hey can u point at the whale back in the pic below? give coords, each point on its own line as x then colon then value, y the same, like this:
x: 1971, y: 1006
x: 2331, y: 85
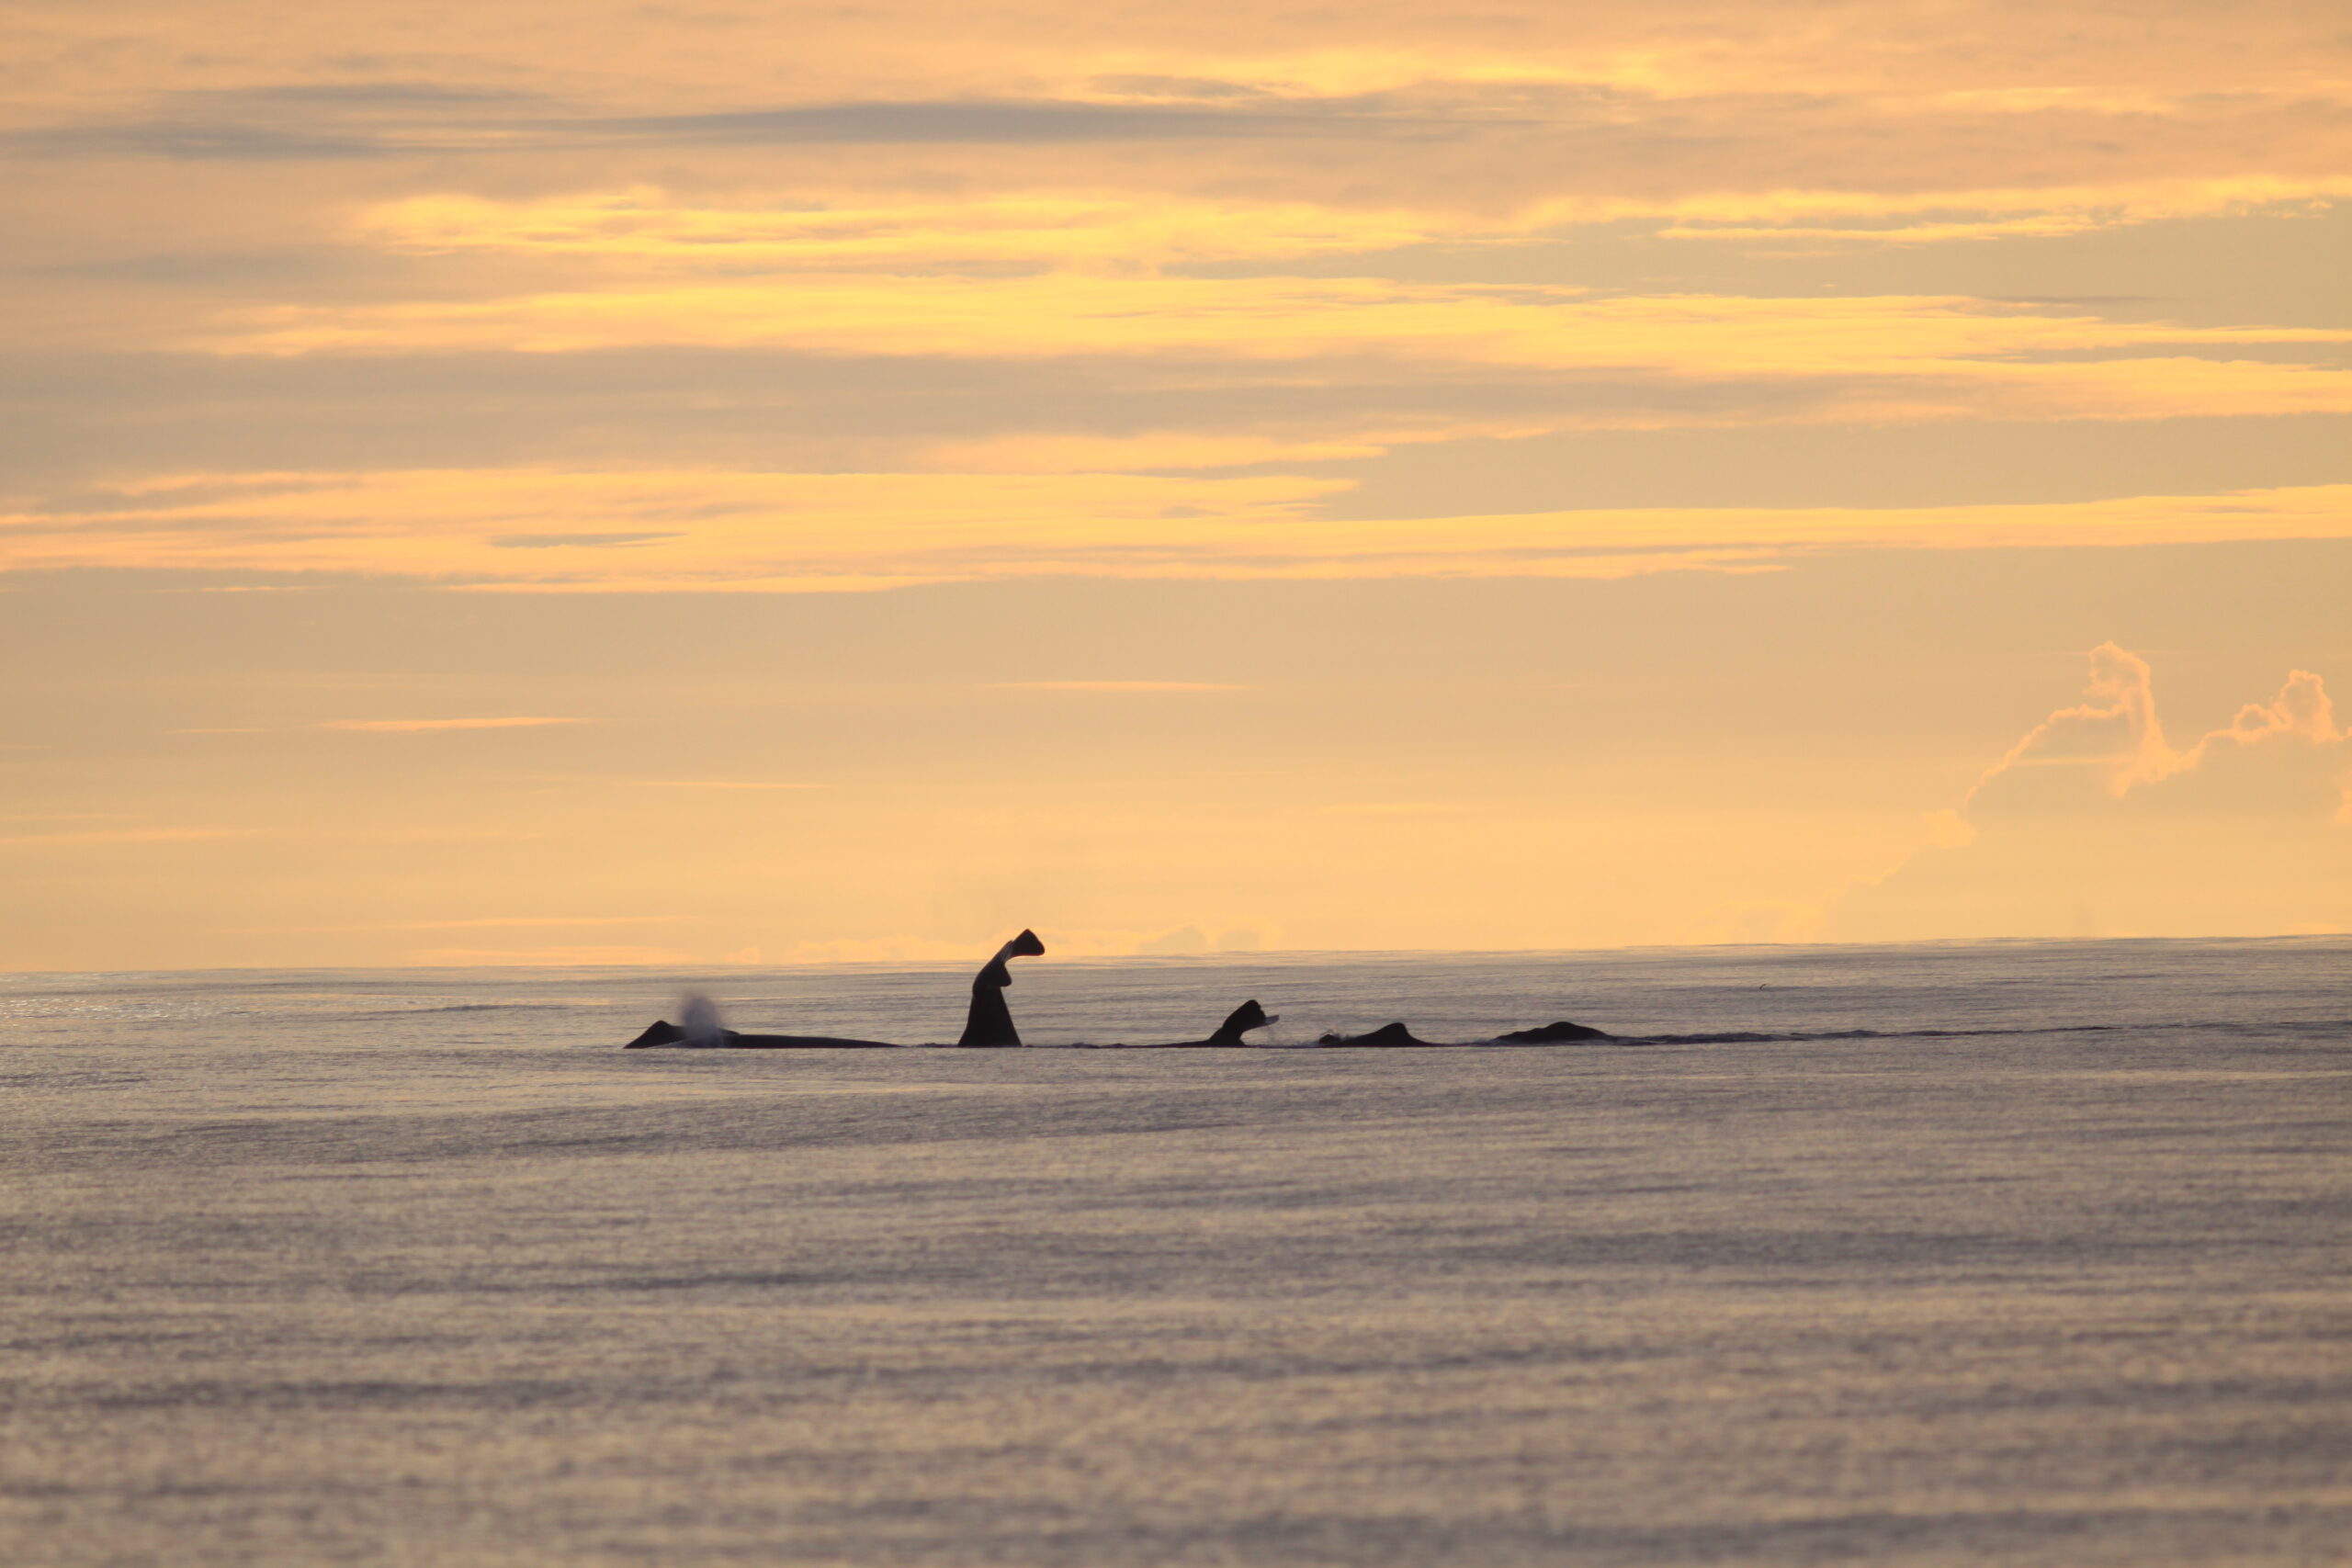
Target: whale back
x: 1387, y: 1034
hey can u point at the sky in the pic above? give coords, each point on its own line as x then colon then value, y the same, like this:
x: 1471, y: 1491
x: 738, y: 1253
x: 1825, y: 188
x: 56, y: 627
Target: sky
x: 704, y: 484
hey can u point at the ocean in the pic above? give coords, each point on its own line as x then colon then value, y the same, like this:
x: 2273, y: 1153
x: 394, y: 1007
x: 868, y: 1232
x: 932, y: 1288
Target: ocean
x: 2000, y: 1253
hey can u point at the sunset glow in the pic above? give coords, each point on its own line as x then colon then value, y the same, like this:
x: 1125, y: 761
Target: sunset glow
x: 1377, y: 478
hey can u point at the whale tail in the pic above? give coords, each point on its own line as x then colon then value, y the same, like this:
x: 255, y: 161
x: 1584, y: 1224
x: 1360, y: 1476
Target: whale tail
x: 1240, y: 1021
x: 990, y: 1022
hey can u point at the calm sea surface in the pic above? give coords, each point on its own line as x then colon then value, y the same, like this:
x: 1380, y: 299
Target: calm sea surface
x: 2015, y: 1253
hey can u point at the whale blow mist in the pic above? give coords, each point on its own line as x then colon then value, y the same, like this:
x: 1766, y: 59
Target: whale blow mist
x: 699, y: 1021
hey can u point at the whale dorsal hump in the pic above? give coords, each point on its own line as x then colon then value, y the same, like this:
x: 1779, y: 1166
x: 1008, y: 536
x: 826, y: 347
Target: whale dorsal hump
x: 1551, y: 1033
x: 1387, y: 1034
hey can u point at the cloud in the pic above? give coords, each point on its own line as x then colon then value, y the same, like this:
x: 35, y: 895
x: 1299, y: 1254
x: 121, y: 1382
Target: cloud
x: 552, y: 956
x: 2095, y: 824
x: 332, y: 133
x: 1116, y: 686
x: 527, y: 922
x: 710, y: 784
x: 1883, y: 358
x: 1000, y: 122
x: 1389, y: 808
x: 2115, y: 733
x: 1184, y: 940
x: 733, y: 532
x: 210, y: 141
x: 110, y: 836
x: 1505, y: 131
x: 644, y: 226
x: 2284, y: 755
x: 407, y: 726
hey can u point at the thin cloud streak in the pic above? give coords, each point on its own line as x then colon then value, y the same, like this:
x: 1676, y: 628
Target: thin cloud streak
x: 409, y: 726
x: 710, y: 784
x: 114, y: 836
x: 768, y: 533
x: 1115, y: 686
x: 524, y: 923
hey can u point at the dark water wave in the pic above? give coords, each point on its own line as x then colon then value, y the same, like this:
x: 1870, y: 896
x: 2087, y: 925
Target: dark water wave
x: 1744, y: 1037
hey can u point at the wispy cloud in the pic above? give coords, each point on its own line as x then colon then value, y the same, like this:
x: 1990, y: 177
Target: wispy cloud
x: 737, y: 532
x: 2114, y: 740
x: 1902, y: 358
x: 110, y: 836
x: 712, y: 783
x: 550, y: 956
x: 1388, y: 809
x: 1116, y: 686
x: 405, y: 726
x: 2094, y: 825
x: 520, y: 922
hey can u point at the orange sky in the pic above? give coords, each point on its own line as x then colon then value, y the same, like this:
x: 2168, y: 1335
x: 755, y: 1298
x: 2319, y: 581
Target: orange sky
x: 675, y: 484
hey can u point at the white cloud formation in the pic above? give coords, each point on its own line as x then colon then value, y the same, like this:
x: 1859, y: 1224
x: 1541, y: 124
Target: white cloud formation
x: 2096, y: 824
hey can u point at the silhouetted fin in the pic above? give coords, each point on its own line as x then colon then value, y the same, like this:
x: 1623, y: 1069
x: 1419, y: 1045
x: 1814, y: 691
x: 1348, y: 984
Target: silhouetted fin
x: 660, y: 1031
x: 1551, y: 1034
x: 990, y: 1022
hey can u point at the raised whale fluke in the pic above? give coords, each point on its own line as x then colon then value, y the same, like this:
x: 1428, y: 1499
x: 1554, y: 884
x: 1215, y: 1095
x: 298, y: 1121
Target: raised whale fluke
x: 990, y: 1022
x: 1240, y: 1021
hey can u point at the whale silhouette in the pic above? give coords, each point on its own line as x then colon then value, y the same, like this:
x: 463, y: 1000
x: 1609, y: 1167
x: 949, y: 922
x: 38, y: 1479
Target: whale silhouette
x: 662, y: 1032
x: 988, y: 1023
x: 1396, y: 1035
x: 1238, y: 1022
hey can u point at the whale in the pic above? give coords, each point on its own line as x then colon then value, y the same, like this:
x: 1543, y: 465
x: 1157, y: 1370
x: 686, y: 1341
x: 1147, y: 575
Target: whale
x: 1229, y: 1035
x: 1394, y: 1036
x: 1238, y: 1022
x: 662, y: 1032
x: 988, y: 1023
x: 1231, y: 1032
